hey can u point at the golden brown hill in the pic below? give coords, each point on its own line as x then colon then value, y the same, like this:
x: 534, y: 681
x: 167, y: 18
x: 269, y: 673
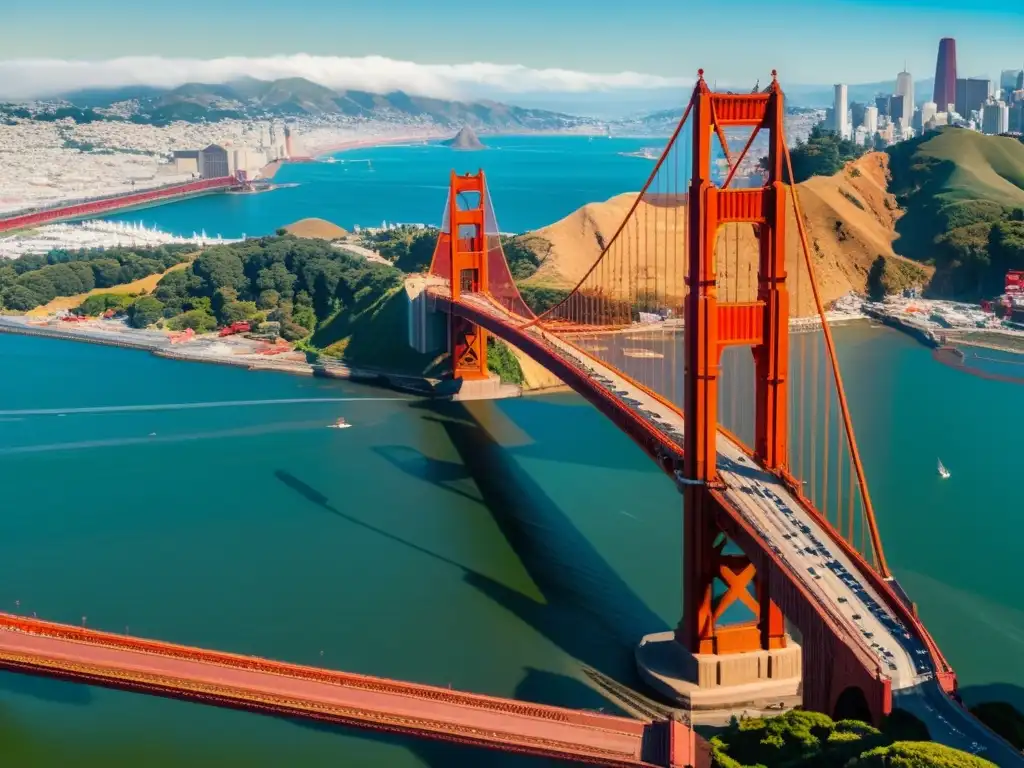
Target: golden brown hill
x: 316, y: 228
x: 850, y: 221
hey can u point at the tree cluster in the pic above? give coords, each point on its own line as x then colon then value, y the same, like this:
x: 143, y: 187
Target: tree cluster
x: 29, y: 281
x: 972, y: 261
x: 797, y: 739
x: 971, y: 240
x: 298, y: 283
x: 411, y: 249
x: 824, y: 153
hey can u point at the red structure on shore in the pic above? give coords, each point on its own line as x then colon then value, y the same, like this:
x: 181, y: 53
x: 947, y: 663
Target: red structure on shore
x: 102, y: 205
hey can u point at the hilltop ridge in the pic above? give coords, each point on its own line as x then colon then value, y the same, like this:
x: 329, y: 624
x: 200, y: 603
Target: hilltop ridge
x: 298, y: 97
x: 851, y: 220
x: 963, y: 197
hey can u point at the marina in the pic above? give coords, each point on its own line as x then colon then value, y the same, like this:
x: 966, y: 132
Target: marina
x: 99, y: 234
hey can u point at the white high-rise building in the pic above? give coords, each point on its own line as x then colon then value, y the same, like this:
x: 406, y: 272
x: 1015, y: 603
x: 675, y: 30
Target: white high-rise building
x: 841, y: 113
x: 905, y: 88
x: 871, y: 119
x: 995, y: 118
x: 928, y: 111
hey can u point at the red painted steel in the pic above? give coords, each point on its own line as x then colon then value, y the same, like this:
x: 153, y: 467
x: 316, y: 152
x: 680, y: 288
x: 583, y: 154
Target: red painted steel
x: 109, y: 204
x: 740, y: 323
x: 739, y: 109
x: 709, y: 327
x: 834, y: 660
x: 261, y: 685
x: 667, y: 454
x: 829, y: 658
x: 740, y: 205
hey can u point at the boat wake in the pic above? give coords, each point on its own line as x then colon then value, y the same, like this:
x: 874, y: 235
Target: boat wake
x: 190, y: 406
x: 118, y: 442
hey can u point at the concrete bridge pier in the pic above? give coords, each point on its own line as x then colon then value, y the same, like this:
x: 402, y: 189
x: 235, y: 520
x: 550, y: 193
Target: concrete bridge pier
x: 713, y: 686
x: 432, y: 331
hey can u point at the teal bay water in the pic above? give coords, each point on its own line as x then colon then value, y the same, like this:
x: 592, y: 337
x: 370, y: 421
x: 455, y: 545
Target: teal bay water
x: 502, y: 547
x: 534, y: 180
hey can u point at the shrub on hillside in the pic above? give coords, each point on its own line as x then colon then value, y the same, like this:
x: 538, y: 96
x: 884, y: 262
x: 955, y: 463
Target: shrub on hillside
x: 917, y: 754
x: 800, y: 739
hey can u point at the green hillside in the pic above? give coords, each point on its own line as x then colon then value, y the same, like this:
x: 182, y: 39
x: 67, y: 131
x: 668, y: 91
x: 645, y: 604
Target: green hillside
x: 963, y: 199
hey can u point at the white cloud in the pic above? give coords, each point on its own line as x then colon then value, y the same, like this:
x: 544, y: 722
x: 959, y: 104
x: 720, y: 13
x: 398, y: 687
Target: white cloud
x: 29, y: 78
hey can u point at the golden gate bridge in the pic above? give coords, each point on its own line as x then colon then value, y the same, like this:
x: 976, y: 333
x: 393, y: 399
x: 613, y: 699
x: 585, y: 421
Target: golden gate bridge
x: 778, y: 520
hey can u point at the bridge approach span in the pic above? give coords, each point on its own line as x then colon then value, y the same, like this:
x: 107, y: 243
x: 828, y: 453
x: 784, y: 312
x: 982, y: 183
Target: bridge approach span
x: 264, y: 686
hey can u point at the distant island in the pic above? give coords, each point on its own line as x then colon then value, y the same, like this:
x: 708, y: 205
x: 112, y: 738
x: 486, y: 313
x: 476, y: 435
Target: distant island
x: 466, y: 138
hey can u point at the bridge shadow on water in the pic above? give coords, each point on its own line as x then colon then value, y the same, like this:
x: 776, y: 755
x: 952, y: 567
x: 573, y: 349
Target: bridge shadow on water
x: 588, y: 610
x: 45, y: 689
x: 1009, y: 693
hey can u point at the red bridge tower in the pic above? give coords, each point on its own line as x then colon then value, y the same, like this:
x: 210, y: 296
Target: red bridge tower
x: 461, y: 257
x: 710, y: 326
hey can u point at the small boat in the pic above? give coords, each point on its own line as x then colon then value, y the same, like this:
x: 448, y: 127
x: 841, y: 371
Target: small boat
x: 339, y: 424
x: 943, y: 472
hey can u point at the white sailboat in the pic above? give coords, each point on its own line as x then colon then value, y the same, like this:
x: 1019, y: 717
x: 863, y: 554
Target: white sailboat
x: 943, y: 472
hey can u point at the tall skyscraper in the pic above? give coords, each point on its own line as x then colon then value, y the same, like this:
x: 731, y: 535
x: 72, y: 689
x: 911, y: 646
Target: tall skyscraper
x: 871, y: 120
x: 995, y: 118
x: 895, y: 109
x: 971, y: 94
x: 928, y: 111
x: 905, y: 90
x: 1008, y: 81
x: 945, y: 74
x: 856, y: 114
x: 840, y: 113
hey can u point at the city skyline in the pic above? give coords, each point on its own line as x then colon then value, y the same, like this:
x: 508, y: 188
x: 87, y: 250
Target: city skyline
x: 533, y: 46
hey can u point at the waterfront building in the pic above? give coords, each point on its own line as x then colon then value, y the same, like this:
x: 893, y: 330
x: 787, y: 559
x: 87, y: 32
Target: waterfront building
x: 214, y: 162
x: 185, y: 161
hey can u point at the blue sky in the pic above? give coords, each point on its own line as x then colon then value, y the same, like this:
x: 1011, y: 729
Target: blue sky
x: 809, y: 41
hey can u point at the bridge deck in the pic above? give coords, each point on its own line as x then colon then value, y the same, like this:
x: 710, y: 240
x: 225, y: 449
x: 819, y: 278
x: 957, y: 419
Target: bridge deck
x: 99, y: 658
x: 798, y: 538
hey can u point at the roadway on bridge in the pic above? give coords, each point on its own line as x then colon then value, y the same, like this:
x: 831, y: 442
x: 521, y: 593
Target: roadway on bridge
x: 261, y: 685
x: 828, y: 574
